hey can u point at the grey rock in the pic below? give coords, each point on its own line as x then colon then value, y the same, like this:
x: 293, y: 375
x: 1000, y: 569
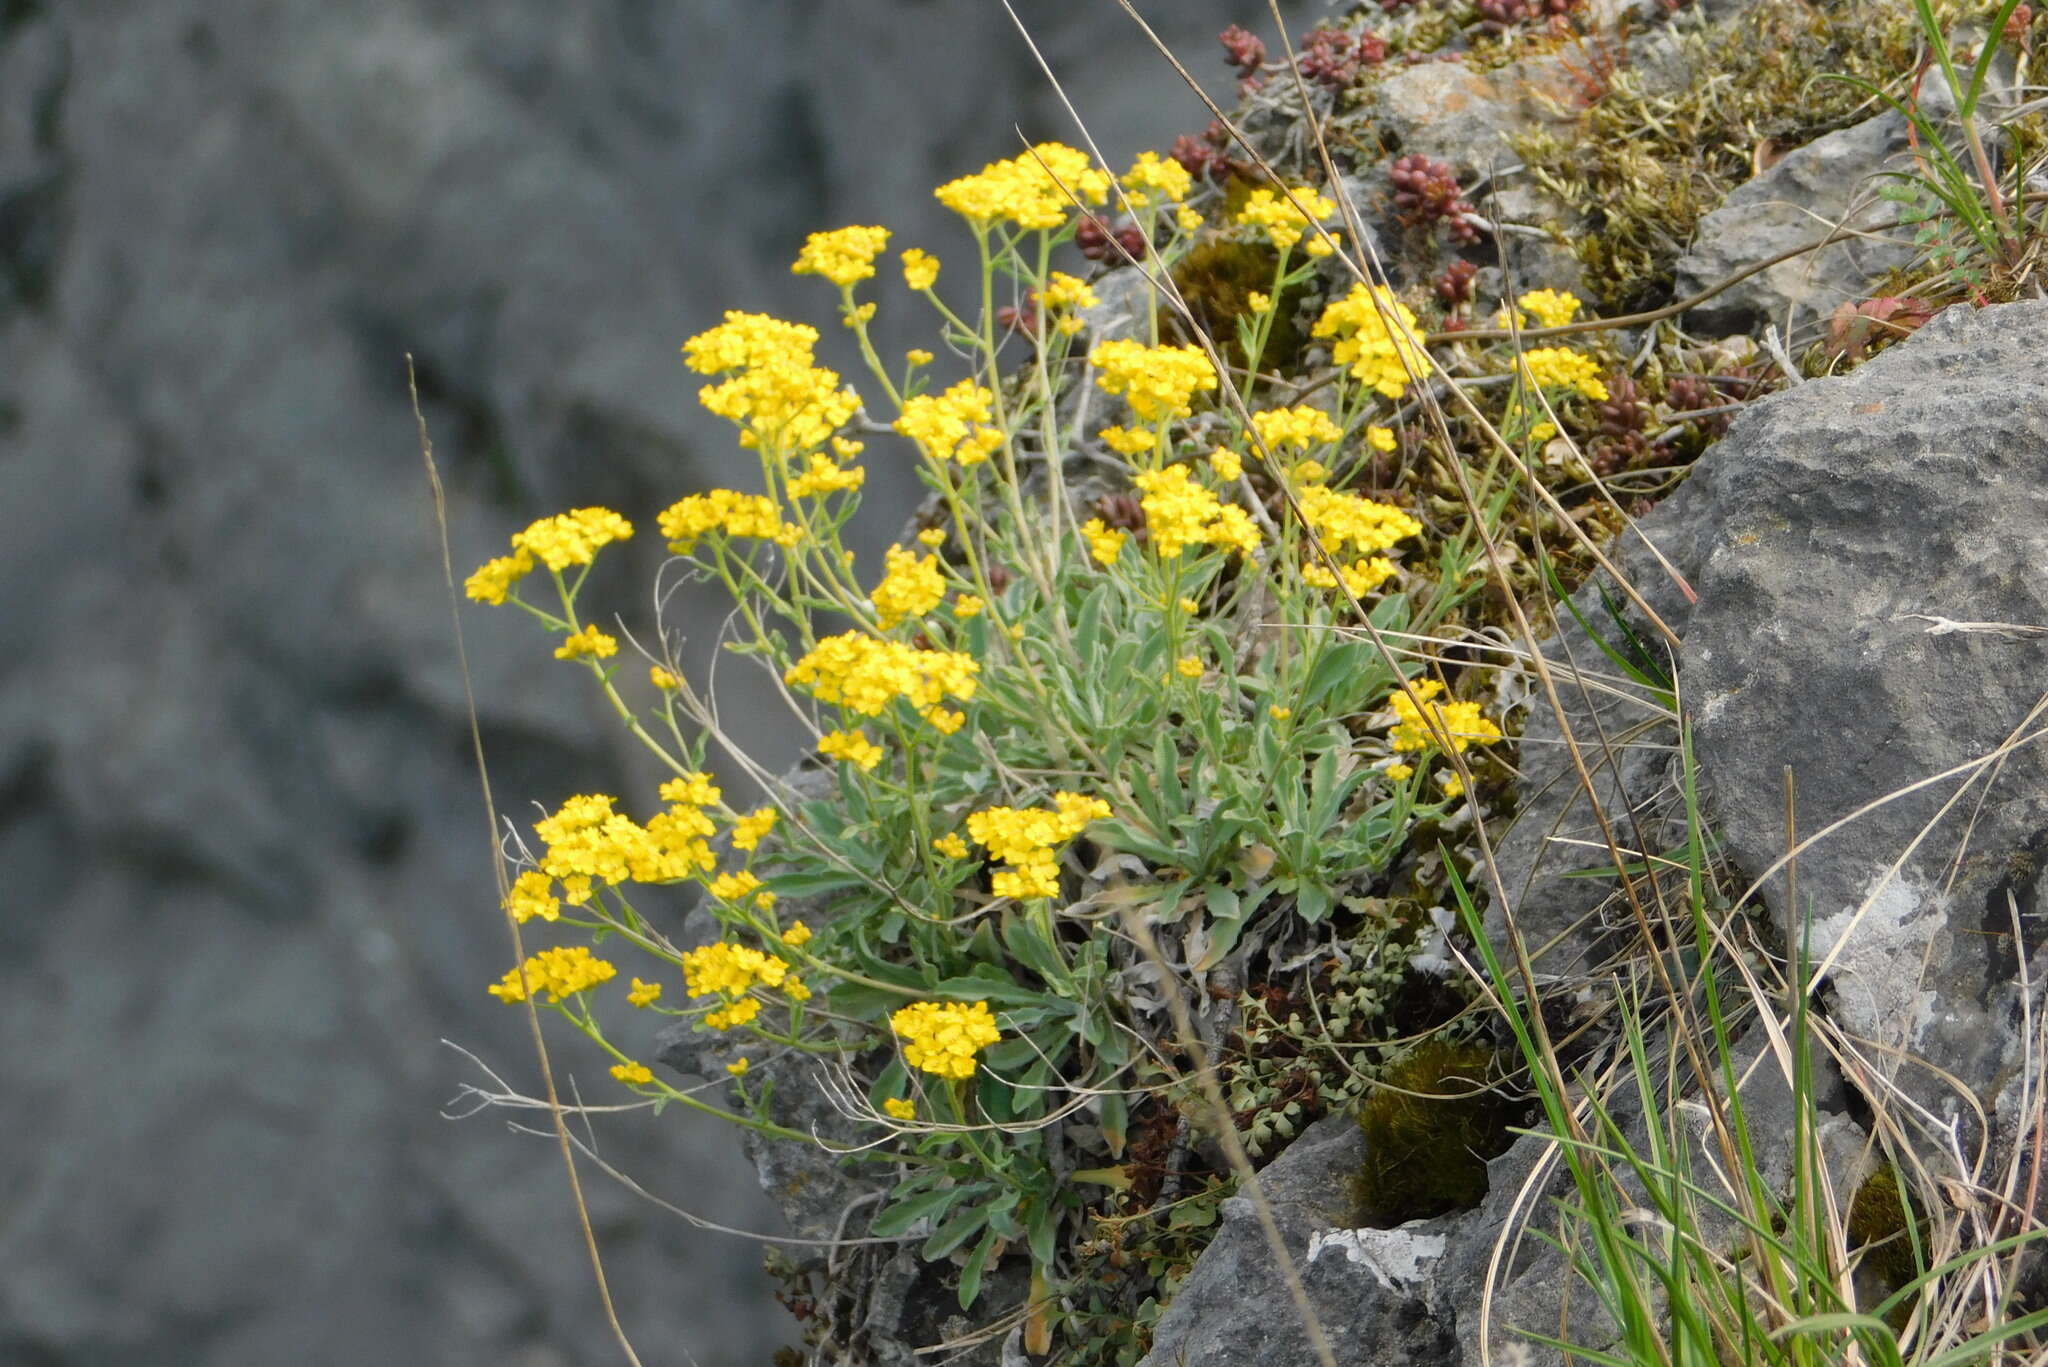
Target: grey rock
x: 247, y: 866
x: 1368, y: 1289
x: 1832, y: 181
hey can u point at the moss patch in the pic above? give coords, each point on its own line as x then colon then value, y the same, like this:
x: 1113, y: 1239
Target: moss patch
x: 1430, y: 1128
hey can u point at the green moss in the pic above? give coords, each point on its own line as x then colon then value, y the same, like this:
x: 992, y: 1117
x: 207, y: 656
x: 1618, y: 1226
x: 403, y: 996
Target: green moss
x: 1877, y: 1226
x: 1430, y: 1127
x: 1217, y: 277
x: 1645, y: 168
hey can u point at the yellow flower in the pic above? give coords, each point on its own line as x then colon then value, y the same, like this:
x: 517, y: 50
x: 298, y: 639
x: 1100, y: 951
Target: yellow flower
x: 731, y: 887
x: 764, y: 901
x: 1180, y: 513
x: 1188, y: 606
x: 1158, y: 382
x: 729, y: 513
x: 1277, y: 214
x: 967, y: 605
x: 865, y: 674
x: 1300, y: 427
x: 1381, y: 438
x: 694, y: 789
x: 1553, y: 308
x: 738, y: 1067
x: 1376, y: 337
x: 824, y: 477
x: 1152, y: 174
x: 494, y: 579
x: 953, y: 425
x: 1462, y: 721
x: 779, y: 399
x: 1279, y: 713
x: 1129, y: 441
x: 1026, y: 840
x: 1227, y: 464
x: 1258, y: 303
x: 1449, y: 781
x: 589, y: 643
x: 633, y: 1074
x: 797, y: 935
x: 910, y: 587
x: 559, y: 972
x: 1032, y: 191
x: 918, y: 356
x: 1400, y: 773
x: 901, y: 1109
x: 1189, y: 666
x: 1186, y: 219
x: 944, y: 1039
x: 1562, y: 368
x: 794, y: 989
x: 843, y: 257
x: 533, y: 895
x: 859, y: 314
x: 663, y: 680
x: 951, y: 845
x: 1310, y: 472
x: 1360, y: 576
x: 1324, y: 243
x: 643, y: 994
x: 1347, y: 519
x: 920, y: 272
x: 1063, y: 291
x: 572, y: 538
x: 736, y: 1013
x: 1104, y: 544
x: 749, y: 830
x: 851, y: 746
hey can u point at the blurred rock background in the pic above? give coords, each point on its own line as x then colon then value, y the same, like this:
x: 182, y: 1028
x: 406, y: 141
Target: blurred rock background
x: 244, y: 886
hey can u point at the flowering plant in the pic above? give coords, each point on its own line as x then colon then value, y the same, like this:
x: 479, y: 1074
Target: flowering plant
x: 1108, y: 720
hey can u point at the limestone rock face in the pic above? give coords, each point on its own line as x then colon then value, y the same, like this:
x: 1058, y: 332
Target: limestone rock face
x: 246, y: 865
x: 1871, y: 567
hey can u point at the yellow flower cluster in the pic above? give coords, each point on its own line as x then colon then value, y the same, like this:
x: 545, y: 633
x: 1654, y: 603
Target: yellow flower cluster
x: 1376, y: 337
x: 851, y: 746
x: 920, y: 271
x: 968, y: 605
x: 1285, y: 224
x: 533, y: 894
x: 844, y: 257
x: 944, y: 1038
x: 1129, y: 441
x: 643, y: 994
x: 779, y: 399
x: 571, y: 538
x: 1028, y: 838
x: 728, y: 511
x: 633, y: 1074
x: 1463, y: 721
x: 1032, y: 191
x: 900, y: 1109
x: 1227, y: 464
x: 589, y: 843
x: 751, y: 829
x: 952, y: 425
x: 1347, y: 520
x: 824, y: 476
x: 1561, y: 368
x: 587, y: 644
x: 1105, y: 543
x: 1180, y: 513
x: 728, y: 970
x: 1300, y: 427
x: 1063, y: 291
x: 1152, y: 174
x: 560, y: 972
x: 731, y: 887
x: 1361, y: 576
x: 911, y: 586
x: 1552, y: 309
x: 1158, y: 382
x: 951, y: 845
x: 864, y: 674
x: 1381, y: 438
